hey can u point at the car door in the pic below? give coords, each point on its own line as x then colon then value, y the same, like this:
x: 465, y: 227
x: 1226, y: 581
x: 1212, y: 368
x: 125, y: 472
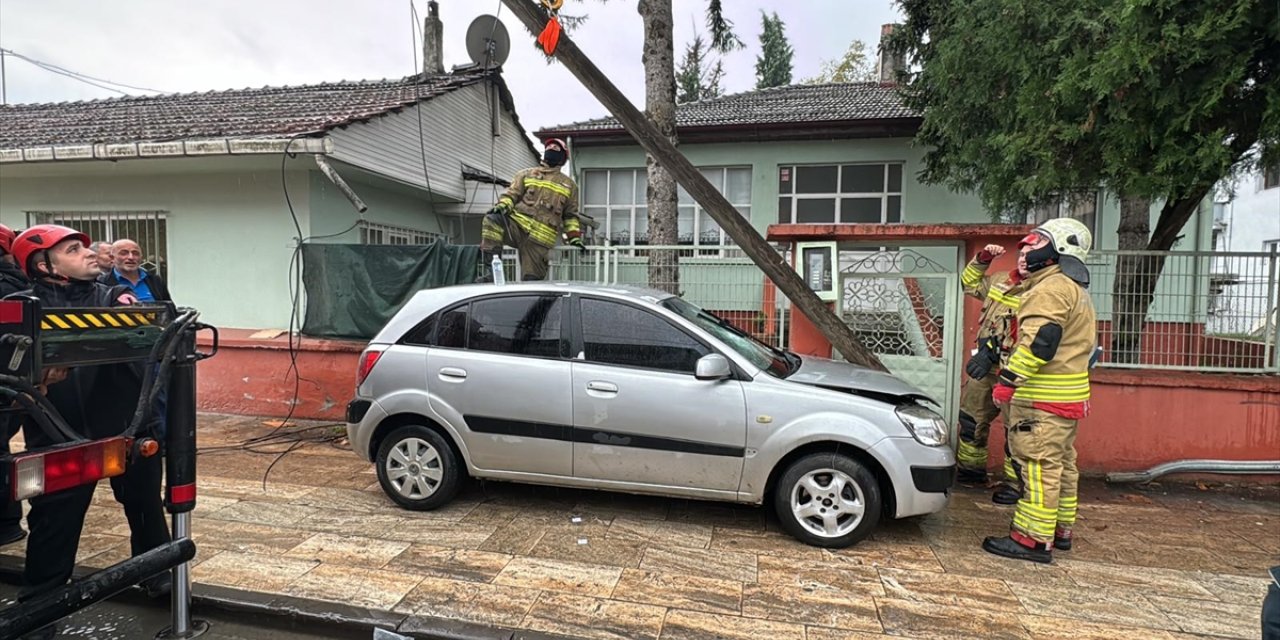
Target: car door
x: 499, y: 372
x: 639, y: 414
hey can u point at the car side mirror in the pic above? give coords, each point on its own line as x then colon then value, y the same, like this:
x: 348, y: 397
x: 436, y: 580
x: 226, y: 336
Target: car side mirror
x: 713, y: 366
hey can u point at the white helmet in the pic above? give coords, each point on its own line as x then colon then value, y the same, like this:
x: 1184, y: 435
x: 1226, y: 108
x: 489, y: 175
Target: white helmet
x: 1069, y: 237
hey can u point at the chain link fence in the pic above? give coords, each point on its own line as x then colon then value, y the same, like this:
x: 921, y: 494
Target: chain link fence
x: 1188, y: 310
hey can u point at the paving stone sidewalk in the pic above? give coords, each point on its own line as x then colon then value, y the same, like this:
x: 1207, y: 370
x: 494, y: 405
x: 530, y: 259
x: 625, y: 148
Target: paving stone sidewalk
x: 600, y: 565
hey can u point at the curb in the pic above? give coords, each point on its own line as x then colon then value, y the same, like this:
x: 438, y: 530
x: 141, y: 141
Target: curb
x: 292, y: 612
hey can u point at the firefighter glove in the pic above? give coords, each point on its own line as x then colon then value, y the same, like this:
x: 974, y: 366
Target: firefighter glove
x: 577, y: 242
x: 980, y: 364
x: 1002, y: 394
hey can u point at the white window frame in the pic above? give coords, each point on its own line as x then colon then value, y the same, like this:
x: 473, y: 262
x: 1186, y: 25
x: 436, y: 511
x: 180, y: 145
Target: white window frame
x: 1271, y: 245
x: 884, y: 194
x: 1270, y: 177
x: 377, y: 233
x: 636, y: 207
x: 1061, y: 209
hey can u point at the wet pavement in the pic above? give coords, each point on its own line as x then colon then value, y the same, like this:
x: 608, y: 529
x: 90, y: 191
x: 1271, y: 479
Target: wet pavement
x: 1149, y: 564
x: 128, y: 618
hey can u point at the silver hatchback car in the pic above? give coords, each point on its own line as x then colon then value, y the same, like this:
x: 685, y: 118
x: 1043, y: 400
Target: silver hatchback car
x: 634, y: 390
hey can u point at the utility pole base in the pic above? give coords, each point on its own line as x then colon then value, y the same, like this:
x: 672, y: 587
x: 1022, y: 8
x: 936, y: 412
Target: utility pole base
x: 198, y: 628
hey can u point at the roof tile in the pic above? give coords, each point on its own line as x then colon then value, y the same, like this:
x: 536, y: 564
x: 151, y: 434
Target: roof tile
x: 237, y: 113
x: 800, y: 104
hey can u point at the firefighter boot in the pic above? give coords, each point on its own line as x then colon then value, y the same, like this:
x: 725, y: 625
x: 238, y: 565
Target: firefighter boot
x: 1062, y: 539
x: 1006, y: 495
x: 1008, y: 547
x: 486, y: 271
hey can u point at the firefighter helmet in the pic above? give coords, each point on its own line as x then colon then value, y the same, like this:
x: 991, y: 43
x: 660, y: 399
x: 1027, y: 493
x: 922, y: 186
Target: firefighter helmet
x: 1069, y: 237
x: 42, y: 237
x: 6, y: 239
x: 555, y: 152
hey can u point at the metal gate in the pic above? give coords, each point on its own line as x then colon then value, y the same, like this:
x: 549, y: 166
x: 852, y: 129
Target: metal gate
x: 906, y: 308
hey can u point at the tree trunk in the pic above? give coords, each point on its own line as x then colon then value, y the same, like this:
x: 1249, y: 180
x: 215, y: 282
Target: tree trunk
x: 1129, y: 306
x: 660, y: 105
x: 1137, y: 275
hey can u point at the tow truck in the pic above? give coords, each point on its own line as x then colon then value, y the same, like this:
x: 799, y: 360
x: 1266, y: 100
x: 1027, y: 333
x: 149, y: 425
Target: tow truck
x: 161, y: 338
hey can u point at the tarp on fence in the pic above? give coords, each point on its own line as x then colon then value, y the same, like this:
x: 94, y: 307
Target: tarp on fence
x: 353, y: 289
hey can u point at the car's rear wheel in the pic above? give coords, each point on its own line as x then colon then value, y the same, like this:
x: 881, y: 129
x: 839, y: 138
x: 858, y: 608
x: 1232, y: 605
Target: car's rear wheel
x: 827, y: 500
x: 417, y: 468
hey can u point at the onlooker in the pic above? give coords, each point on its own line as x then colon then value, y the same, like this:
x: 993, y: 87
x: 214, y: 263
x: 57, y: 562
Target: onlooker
x: 128, y: 271
x: 1271, y: 607
x: 105, y: 258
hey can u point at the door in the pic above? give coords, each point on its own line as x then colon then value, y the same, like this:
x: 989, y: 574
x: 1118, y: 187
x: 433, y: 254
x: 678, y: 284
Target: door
x: 906, y: 305
x: 640, y: 415
x: 499, y: 372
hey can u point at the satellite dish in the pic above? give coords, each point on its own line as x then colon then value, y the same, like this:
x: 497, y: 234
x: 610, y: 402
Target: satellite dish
x: 487, y: 41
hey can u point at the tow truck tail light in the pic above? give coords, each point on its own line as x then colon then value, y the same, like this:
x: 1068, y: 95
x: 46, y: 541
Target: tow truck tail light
x: 44, y: 472
x: 367, y: 360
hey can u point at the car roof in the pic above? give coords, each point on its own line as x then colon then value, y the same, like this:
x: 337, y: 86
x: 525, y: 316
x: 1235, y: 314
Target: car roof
x: 427, y: 301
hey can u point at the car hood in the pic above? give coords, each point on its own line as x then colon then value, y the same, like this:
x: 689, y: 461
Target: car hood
x: 843, y: 376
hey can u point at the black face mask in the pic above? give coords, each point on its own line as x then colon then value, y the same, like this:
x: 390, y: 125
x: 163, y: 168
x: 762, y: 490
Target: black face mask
x: 1038, y: 259
x: 554, y: 157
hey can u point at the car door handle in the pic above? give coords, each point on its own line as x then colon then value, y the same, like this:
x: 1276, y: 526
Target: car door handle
x: 602, y: 387
x: 453, y: 372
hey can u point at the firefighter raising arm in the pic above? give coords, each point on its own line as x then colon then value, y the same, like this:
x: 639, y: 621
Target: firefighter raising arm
x: 974, y: 278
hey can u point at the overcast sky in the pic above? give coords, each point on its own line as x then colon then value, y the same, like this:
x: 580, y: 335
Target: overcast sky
x: 222, y: 44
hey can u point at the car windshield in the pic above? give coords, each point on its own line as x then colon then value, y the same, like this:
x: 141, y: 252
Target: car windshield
x: 775, y: 362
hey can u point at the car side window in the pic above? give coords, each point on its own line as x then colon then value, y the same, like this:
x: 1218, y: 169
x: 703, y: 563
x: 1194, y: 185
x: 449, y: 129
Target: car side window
x: 620, y: 334
x: 451, y: 330
x: 517, y: 325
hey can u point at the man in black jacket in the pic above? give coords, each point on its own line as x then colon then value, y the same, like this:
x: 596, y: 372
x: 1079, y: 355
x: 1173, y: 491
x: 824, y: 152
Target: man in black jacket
x: 128, y: 271
x: 12, y: 280
x: 97, y: 402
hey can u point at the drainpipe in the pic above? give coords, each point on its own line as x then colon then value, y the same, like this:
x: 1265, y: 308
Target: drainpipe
x: 1230, y: 467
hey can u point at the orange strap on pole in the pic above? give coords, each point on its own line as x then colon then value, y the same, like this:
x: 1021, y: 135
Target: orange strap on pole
x: 550, y: 36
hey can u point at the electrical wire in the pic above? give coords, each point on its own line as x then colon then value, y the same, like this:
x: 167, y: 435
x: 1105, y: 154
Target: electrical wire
x: 74, y: 75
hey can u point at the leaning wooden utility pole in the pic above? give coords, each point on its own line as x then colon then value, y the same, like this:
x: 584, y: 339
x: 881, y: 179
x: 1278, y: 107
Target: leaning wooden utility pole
x: 792, y: 285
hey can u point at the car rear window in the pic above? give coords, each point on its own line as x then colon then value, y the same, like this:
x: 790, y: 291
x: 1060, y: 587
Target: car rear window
x: 517, y: 325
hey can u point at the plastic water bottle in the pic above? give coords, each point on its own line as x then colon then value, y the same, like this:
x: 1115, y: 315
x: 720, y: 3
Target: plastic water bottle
x: 499, y: 277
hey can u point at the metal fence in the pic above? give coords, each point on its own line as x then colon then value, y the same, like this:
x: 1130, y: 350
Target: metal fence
x: 1198, y: 311
x: 731, y: 286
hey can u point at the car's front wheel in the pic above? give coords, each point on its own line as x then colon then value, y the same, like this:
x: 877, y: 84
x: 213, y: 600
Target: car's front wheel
x: 417, y: 468
x: 827, y: 500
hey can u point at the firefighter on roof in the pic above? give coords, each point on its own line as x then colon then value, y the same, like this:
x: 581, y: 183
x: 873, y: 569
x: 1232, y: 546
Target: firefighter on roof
x: 1045, y: 383
x: 541, y: 203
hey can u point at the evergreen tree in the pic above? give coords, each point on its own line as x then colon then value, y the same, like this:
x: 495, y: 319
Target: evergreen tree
x: 773, y: 65
x: 698, y: 78
x: 1152, y: 100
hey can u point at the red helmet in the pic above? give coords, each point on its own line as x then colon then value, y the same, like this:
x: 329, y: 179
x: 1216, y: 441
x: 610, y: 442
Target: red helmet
x: 6, y: 239
x: 556, y: 143
x: 40, y: 238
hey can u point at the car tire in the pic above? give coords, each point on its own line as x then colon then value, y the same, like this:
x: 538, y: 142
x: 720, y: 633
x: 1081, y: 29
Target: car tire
x: 828, y: 500
x: 417, y: 468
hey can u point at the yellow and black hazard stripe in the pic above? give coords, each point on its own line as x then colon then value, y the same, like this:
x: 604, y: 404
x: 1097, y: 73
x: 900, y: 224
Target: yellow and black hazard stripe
x: 104, y: 319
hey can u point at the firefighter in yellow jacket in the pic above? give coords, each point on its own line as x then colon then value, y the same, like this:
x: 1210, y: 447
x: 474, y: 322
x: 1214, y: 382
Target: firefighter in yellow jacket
x: 540, y: 204
x: 1045, y: 383
x: 999, y: 294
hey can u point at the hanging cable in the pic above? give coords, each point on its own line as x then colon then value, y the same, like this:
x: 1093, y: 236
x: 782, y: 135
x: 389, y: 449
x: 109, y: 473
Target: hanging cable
x: 87, y: 79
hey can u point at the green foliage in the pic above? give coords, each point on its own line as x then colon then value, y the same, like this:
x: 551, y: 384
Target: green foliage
x: 854, y: 66
x: 723, y: 39
x: 773, y: 65
x: 697, y: 77
x: 1151, y: 98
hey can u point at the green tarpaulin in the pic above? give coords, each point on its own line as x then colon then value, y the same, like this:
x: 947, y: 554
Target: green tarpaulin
x: 352, y: 289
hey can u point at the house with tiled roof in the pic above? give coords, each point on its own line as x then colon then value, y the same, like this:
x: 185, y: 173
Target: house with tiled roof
x: 218, y: 186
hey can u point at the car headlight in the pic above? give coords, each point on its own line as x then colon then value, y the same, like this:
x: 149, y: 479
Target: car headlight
x: 927, y: 426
